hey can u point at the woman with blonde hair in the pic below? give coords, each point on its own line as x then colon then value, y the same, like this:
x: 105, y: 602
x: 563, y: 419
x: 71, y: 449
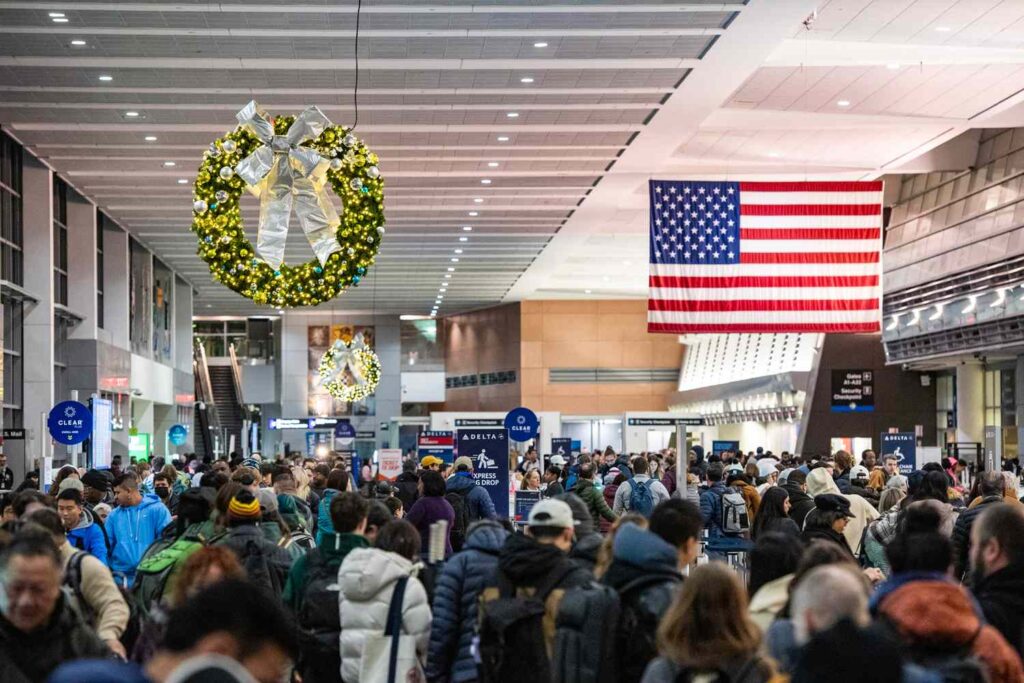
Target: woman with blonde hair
x: 707, y: 633
x: 604, y: 553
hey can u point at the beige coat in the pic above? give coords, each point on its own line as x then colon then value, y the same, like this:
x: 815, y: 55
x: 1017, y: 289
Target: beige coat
x: 820, y: 481
x: 769, y: 600
x: 102, y: 598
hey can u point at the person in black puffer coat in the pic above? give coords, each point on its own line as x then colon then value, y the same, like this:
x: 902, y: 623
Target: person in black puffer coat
x: 801, y: 503
x: 407, y: 485
x: 990, y: 489
x: 455, y: 603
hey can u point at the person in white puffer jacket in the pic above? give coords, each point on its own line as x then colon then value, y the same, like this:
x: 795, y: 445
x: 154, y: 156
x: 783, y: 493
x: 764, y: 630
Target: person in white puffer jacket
x: 367, y: 579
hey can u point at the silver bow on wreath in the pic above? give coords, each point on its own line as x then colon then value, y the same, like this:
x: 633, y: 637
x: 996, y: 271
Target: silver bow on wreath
x: 282, y: 174
x: 345, y: 355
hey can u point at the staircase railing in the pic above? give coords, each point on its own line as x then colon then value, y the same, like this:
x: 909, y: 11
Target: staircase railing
x: 206, y: 405
x: 243, y: 407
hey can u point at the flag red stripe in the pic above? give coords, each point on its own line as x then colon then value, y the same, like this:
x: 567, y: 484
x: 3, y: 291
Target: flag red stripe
x: 810, y: 209
x: 810, y: 233
x: 810, y: 257
x: 812, y: 187
x: 764, y: 281
x: 736, y: 305
x: 679, y: 328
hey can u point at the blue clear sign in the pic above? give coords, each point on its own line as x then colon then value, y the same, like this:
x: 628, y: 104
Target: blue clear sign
x: 69, y: 422
x: 488, y: 449
x: 904, y: 446
x: 522, y: 424
x: 344, y: 430
x: 177, y: 434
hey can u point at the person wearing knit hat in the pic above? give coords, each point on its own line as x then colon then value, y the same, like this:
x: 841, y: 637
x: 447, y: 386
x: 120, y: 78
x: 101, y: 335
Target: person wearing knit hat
x: 71, y: 483
x: 266, y: 563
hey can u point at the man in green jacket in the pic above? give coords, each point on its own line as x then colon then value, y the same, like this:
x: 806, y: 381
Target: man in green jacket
x: 586, y: 490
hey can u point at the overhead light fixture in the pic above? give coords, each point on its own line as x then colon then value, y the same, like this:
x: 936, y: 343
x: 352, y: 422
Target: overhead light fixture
x: 78, y: 43
x: 893, y: 322
x: 843, y: 103
x: 915, y: 318
x: 467, y: 228
x: 458, y: 251
x: 972, y: 303
x: 485, y: 181
x: 474, y: 213
x: 478, y: 200
x: 105, y: 78
x: 586, y: 291
x: 168, y: 164
x: 492, y: 164
x: 450, y: 270
x: 56, y: 15
x: 540, y: 44
x: 131, y: 114
x: 502, y: 138
x: 182, y: 181
x: 59, y: 20
x: 943, y: 29
x: 1000, y: 298
x: 892, y: 66
x: 150, y: 138
x: 455, y: 260
x: 774, y: 155
x: 939, y: 308
x: 526, y: 79
x: 448, y: 275
x: 605, y: 278
x: 512, y: 115
x: 463, y: 239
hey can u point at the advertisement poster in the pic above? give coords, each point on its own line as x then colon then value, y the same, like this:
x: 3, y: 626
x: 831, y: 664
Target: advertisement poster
x: 853, y: 391
x: 438, y: 444
x: 904, y: 446
x: 319, y: 338
x: 488, y: 449
x: 389, y: 463
x: 100, y: 439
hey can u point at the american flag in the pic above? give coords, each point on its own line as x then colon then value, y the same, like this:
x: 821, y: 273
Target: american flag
x: 765, y: 257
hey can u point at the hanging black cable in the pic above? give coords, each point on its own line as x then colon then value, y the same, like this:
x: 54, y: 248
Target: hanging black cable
x: 355, y: 90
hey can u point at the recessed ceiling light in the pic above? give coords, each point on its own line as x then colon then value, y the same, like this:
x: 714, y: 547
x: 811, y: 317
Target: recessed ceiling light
x: 455, y: 260
x: 478, y: 200
x: 485, y: 181
x: 843, y: 103
x: 463, y: 239
x: 450, y: 270
x: 131, y: 114
x: 168, y: 164
x: 502, y: 138
x: 59, y: 20
x: 183, y: 181
x: 627, y: 263
x: 448, y: 276
x: 540, y: 44
x: 467, y: 228
x: 106, y: 78
x: 513, y: 115
x: 774, y: 155
x: 474, y: 213
x: 458, y: 251
x: 943, y: 29
x: 150, y: 138
x: 892, y: 66
x: 54, y: 15
x: 78, y: 43
x: 526, y: 79
x: 606, y: 278
x: 492, y: 164
x: 586, y: 291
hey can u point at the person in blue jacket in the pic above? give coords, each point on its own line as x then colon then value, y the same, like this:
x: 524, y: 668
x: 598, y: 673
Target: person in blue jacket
x: 132, y: 526
x: 455, y: 603
x: 82, y: 530
x: 477, y: 500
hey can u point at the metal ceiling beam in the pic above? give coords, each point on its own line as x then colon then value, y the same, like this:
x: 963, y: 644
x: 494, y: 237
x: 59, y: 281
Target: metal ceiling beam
x: 231, y: 108
x: 497, y: 127
x: 439, y: 92
x: 289, y: 8
x: 243, y: 32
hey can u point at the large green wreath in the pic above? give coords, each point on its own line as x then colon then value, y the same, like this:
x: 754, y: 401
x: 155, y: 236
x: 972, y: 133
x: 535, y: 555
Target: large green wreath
x: 353, y: 176
x: 365, y: 374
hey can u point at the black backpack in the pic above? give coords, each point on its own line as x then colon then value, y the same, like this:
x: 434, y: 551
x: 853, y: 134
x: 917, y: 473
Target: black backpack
x: 461, y: 524
x: 257, y: 565
x: 638, y: 626
x: 511, y: 631
x: 585, y: 636
x: 320, y: 622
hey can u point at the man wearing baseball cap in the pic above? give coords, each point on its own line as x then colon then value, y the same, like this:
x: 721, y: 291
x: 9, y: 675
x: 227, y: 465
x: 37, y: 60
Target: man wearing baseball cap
x: 539, y: 561
x: 431, y: 462
x: 476, y: 498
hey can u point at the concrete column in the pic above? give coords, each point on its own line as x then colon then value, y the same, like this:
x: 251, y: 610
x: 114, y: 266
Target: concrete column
x: 115, y: 286
x: 37, y: 203
x: 82, y: 266
x: 182, y: 325
x: 970, y: 403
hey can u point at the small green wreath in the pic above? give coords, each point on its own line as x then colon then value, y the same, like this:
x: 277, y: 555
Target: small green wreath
x: 343, y: 163
x: 363, y: 366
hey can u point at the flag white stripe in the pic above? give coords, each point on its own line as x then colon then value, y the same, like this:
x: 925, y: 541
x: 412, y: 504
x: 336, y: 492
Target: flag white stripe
x: 810, y: 197
x: 762, y: 293
x: 768, y: 269
x: 739, y: 317
x: 801, y: 221
x: 809, y: 246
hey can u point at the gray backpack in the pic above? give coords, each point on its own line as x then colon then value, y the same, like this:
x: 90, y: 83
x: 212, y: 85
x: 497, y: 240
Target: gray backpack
x: 735, y: 521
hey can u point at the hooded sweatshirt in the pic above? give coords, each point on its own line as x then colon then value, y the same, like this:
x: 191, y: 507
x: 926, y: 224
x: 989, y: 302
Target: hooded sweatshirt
x: 367, y: 578
x: 479, y: 501
x: 88, y: 536
x: 936, y: 614
x: 132, y: 529
x: 820, y: 481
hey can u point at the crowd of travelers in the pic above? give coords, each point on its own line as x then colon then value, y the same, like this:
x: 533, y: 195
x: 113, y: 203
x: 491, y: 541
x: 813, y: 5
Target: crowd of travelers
x: 743, y: 568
